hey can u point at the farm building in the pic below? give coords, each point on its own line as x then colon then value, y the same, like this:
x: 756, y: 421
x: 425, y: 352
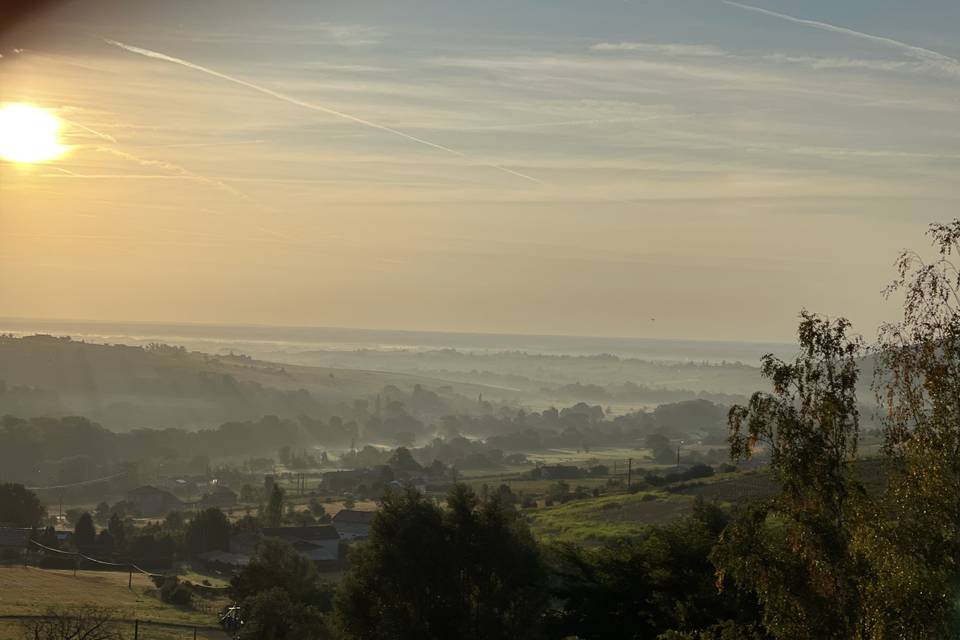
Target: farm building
x: 222, y: 497
x: 151, y: 501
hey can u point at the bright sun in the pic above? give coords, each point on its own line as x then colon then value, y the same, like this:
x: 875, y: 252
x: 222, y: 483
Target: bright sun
x: 29, y: 134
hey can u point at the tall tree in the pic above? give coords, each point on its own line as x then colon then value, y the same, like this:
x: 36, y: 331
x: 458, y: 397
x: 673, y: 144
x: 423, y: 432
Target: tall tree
x: 274, y: 513
x: 85, y: 534
x: 117, y: 529
x: 19, y: 506
x: 917, y: 381
x: 794, y: 551
x: 471, y: 571
x: 502, y: 576
x: 208, y: 531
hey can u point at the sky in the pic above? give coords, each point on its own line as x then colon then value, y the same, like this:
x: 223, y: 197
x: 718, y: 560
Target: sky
x: 662, y: 168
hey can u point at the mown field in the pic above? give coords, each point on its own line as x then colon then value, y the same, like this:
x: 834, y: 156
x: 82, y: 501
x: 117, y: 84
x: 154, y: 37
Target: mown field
x: 619, y: 515
x: 28, y: 591
x: 607, y: 518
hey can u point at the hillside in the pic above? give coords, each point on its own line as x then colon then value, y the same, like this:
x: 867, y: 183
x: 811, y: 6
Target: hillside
x: 125, y: 387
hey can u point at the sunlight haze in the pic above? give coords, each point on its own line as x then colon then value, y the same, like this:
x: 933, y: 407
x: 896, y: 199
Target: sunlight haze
x: 696, y: 169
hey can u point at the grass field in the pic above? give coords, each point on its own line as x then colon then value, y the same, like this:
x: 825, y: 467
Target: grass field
x: 29, y: 591
x: 597, y: 520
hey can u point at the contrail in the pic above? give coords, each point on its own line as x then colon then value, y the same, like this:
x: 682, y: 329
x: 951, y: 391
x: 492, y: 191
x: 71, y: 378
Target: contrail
x: 308, y: 105
x: 944, y: 61
x: 176, y: 169
x: 102, y: 136
x: 210, y: 144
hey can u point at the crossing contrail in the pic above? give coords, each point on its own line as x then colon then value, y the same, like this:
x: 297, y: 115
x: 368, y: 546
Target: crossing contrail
x: 156, y: 55
x: 945, y: 62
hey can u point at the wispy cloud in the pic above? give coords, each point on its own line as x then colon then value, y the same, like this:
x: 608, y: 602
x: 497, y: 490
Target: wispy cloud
x: 930, y: 57
x: 174, y: 169
x: 669, y: 49
x: 227, y: 143
x: 347, y: 35
x: 309, y: 105
x: 845, y: 63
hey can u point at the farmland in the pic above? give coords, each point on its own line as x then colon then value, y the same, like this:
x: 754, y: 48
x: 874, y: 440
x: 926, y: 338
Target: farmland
x: 26, y: 591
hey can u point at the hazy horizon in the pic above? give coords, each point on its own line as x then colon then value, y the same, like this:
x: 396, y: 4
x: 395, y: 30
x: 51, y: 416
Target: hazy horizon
x: 271, y: 340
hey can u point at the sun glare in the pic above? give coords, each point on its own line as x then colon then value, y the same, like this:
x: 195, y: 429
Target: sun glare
x: 29, y: 134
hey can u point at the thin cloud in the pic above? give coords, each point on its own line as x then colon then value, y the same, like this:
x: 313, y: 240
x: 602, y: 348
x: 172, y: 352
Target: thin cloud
x: 933, y: 58
x: 175, y: 169
x: 209, y: 144
x: 309, y: 105
x: 670, y: 49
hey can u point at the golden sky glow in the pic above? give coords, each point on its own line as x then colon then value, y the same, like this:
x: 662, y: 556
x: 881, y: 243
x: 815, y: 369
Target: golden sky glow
x: 29, y: 134
x: 368, y: 164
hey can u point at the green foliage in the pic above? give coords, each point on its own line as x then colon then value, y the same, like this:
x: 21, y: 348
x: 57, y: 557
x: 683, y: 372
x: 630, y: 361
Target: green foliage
x: 795, y: 552
x: 208, y: 531
x: 174, y: 591
x: 273, y: 515
x: 117, y: 529
x: 659, y: 581
x: 473, y: 570
x: 19, y: 506
x: 174, y: 521
x: 281, y: 594
x: 273, y: 614
x: 84, y: 533
x: 102, y: 513
x: 917, y: 553
x: 318, y: 510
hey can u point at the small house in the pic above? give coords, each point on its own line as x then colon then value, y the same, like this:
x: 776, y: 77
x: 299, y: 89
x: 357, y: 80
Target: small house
x: 222, y: 497
x: 152, y: 501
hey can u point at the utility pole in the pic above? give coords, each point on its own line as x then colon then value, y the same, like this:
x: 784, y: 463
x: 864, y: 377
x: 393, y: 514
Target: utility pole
x: 678, y: 453
x: 629, y: 471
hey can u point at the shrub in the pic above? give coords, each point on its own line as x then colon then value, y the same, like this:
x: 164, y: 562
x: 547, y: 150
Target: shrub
x: 172, y: 591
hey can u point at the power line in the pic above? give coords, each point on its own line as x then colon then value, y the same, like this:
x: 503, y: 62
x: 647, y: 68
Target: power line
x: 80, y: 484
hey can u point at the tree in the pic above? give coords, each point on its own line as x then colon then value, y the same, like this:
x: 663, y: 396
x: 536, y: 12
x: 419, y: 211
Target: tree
x: 105, y: 543
x: 117, y: 529
x: 49, y: 538
x: 88, y: 622
x: 102, y: 513
x: 19, y: 506
x: 502, y: 574
x: 318, y: 510
x: 661, y: 580
x: 274, y: 513
x: 795, y: 551
x: 174, y: 521
x: 281, y: 594
x: 85, y: 534
x: 208, y: 531
x: 471, y: 571
x: 402, y: 460
x: 917, y: 381
x: 73, y: 515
